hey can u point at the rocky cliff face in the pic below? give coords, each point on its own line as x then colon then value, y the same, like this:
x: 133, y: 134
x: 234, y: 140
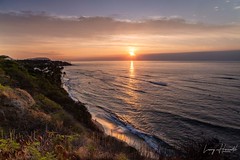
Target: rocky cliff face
x: 14, y: 103
x: 16, y: 106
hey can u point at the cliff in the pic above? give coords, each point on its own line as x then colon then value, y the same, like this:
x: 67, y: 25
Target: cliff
x: 38, y: 120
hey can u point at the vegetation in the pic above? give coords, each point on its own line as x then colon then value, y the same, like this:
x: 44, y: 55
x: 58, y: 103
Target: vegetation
x: 52, y: 126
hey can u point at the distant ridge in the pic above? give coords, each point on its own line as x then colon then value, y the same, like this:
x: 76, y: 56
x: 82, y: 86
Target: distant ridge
x: 231, y: 55
x: 39, y: 59
x: 193, y: 56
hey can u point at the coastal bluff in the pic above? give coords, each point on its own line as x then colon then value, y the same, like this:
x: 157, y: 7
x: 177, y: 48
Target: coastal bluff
x: 38, y: 119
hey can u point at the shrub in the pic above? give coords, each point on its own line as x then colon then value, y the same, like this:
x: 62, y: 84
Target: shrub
x: 48, y: 146
x: 47, y: 105
x: 121, y: 156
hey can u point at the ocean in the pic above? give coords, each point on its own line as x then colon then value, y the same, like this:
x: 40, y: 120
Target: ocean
x: 163, y: 104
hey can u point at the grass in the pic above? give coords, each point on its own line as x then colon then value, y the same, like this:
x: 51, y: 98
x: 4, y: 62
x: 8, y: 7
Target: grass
x: 52, y: 145
x: 49, y: 146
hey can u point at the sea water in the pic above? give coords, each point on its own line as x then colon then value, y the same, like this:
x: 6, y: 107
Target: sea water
x: 162, y: 103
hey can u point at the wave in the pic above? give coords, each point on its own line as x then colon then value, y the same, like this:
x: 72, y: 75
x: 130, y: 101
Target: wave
x: 227, y: 78
x: 212, y: 125
x: 158, y: 83
x: 195, y: 121
x: 147, y: 75
x: 68, y: 88
x: 153, y: 141
x: 140, y: 91
x: 152, y: 82
x: 131, y: 88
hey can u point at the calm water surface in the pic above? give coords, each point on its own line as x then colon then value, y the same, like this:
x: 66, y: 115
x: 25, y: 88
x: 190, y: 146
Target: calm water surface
x: 161, y: 102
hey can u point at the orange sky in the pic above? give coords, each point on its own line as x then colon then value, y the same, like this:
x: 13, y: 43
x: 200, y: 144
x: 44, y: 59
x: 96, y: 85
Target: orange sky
x: 25, y: 35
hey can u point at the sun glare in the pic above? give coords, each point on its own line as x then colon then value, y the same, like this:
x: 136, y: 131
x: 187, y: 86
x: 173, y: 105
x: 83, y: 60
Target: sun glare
x: 132, y: 51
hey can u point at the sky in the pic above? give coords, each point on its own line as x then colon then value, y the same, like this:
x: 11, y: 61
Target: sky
x: 79, y: 29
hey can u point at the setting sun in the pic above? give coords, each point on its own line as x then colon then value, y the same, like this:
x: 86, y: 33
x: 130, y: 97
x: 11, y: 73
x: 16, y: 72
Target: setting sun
x: 132, y: 51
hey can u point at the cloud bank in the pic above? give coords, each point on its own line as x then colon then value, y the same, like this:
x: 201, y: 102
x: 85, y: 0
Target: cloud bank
x: 78, y: 35
x: 18, y: 23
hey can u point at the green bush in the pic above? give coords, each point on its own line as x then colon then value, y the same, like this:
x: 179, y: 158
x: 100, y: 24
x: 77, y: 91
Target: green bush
x: 47, y: 105
x: 8, y: 146
x: 19, y: 74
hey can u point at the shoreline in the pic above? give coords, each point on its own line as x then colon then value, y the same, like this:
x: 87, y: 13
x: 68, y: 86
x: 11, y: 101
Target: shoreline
x: 51, y: 110
x: 79, y: 77
x: 117, y: 131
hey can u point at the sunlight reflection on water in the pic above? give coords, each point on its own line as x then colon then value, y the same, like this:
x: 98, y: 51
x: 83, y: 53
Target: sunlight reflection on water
x: 131, y: 84
x: 132, y: 69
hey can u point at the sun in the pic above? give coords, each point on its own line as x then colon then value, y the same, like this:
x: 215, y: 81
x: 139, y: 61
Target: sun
x: 132, y: 51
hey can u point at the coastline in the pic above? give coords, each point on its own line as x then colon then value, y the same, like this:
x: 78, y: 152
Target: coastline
x: 51, y: 116
x: 37, y: 109
x: 144, y: 145
x: 90, y: 89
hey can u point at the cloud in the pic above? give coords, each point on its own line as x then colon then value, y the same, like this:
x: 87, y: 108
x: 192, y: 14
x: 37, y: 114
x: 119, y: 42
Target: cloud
x: 237, y: 7
x: 43, y: 24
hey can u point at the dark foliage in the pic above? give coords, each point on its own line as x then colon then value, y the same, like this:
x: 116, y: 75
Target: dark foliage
x: 44, y: 76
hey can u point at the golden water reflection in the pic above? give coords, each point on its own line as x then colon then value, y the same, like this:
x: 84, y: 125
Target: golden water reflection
x: 131, y: 86
x: 131, y: 69
x: 131, y: 97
